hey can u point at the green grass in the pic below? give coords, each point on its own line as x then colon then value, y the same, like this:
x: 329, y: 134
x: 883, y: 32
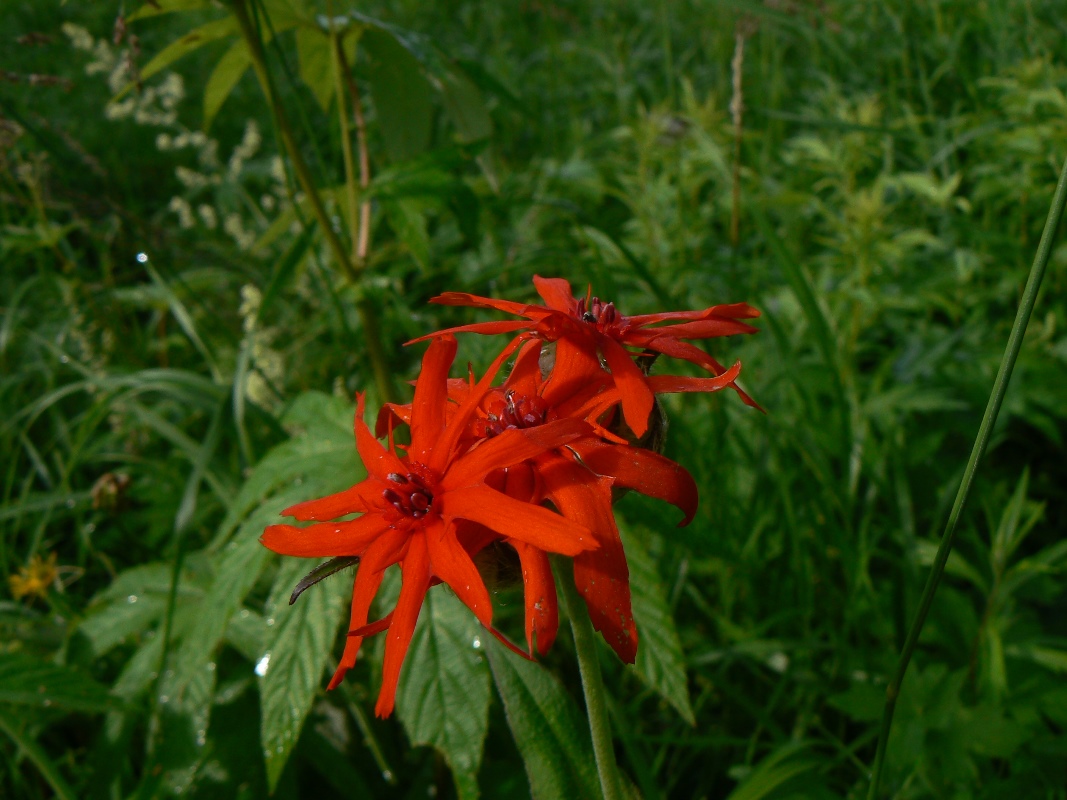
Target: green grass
x: 898, y: 161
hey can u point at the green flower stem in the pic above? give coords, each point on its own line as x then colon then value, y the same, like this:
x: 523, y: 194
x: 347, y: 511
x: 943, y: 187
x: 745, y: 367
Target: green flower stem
x: 592, y: 681
x: 368, y: 317
x: 1000, y: 386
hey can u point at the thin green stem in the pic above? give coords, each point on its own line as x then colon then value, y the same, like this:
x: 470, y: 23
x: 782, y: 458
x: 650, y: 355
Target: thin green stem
x: 1000, y: 387
x: 352, y: 192
x: 38, y: 756
x: 592, y: 681
x: 368, y: 318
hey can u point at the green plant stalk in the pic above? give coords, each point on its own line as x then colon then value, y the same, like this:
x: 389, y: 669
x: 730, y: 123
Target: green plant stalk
x: 346, y: 146
x: 372, y: 337
x: 38, y: 756
x: 592, y: 681
x: 996, y: 398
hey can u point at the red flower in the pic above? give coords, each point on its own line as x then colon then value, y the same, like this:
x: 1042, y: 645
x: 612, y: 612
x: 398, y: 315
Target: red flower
x: 413, y: 505
x: 590, y: 326
x: 578, y: 478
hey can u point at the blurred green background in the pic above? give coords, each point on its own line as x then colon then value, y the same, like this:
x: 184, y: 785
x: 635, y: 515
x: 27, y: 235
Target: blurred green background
x: 873, y: 176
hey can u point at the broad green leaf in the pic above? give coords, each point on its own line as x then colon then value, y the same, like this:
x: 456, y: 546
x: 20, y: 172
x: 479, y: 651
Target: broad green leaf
x: 660, y: 661
x: 322, y: 458
x: 28, y: 681
x: 550, y: 731
x: 408, y: 221
x: 443, y: 697
x: 298, y: 647
x: 194, y: 39
x: 465, y: 106
x: 315, y: 62
x: 242, y: 561
x: 224, y: 77
x: 401, y: 95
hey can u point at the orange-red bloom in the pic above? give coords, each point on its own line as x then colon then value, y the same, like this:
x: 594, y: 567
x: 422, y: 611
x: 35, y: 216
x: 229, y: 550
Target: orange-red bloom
x: 578, y: 478
x: 413, y: 505
x: 589, y: 327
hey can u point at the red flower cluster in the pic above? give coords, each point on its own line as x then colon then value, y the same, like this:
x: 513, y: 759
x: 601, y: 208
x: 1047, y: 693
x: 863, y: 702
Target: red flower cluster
x: 483, y: 462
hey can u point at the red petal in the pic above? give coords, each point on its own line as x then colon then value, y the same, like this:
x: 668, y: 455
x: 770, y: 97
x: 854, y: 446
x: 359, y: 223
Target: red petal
x: 673, y: 384
x: 734, y: 310
x: 507, y: 643
x: 325, y: 539
x: 476, y: 301
x: 364, y: 496
x: 692, y: 353
x: 643, y: 471
x: 556, y: 292
x: 378, y: 461
x: 701, y: 329
x: 457, y: 424
x: 450, y: 562
x: 525, y: 375
x: 509, y: 448
x: 391, y: 413
x: 428, y: 409
x: 576, y: 366
x: 491, y: 328
x: 524, y: 521
x: 539, y: 587
x: 368, y: 579
x: 416, y: 580
x: 601, y: 576
x: 373, y: 627
x: 637, y: 398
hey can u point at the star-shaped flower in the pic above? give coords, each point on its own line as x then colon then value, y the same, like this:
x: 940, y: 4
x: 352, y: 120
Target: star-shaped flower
x: 590, y: 327
x: 412, y: 507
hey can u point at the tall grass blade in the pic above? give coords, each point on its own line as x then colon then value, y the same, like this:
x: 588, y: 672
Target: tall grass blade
x: 1000, y: 387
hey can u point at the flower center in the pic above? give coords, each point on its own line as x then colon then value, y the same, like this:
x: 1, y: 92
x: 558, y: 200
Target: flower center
x: 595, y: 312
x: 517, y: 411
x: 410, y: 494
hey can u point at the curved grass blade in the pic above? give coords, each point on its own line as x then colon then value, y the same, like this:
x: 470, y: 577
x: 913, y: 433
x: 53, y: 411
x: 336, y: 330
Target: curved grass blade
x: 985, y: 430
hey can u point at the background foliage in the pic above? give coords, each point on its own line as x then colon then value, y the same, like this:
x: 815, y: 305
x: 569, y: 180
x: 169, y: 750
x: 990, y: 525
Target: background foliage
x: 895, y: 167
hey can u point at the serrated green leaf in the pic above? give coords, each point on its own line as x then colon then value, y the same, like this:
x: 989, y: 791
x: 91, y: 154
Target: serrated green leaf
x: 241, y: 564
x: 28, y: 681
x: 298, y: 649
x: 323, y: 458
x: 660, y: 661
x: 550, y: 731
x: 443, y: 698
x: 401, y: 94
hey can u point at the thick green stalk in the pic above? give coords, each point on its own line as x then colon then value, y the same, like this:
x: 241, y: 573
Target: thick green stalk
x: 1000, y: 387
x: 372, y: 337
x: 592, y: 681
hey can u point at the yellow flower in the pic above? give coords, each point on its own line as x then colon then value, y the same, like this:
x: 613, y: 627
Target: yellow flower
x: 34, y: 579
